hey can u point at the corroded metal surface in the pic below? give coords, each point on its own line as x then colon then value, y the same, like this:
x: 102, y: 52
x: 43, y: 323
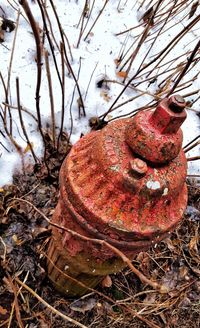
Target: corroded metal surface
x: 124, y: 184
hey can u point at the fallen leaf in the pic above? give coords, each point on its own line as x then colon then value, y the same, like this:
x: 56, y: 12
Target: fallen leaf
x: 2, y: 310
x: 105, y: 96
x: 193, y: 243
x: 122, y: 74
x: 169, y: 244
x: 83, y: 305
x: 106, y: 282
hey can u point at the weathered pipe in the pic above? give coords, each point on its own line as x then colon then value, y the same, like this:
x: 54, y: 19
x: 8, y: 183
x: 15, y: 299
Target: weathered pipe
x: 124, y: 184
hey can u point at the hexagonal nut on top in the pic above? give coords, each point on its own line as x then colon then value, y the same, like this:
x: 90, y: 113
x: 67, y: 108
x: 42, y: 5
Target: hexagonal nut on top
x: 169, y: 115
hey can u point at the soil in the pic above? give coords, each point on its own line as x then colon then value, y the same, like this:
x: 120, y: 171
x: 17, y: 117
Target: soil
x: 24, y: 237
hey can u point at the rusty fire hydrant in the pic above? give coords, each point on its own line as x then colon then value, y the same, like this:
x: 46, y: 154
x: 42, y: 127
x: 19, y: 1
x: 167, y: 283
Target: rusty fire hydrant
x: 124, y: 184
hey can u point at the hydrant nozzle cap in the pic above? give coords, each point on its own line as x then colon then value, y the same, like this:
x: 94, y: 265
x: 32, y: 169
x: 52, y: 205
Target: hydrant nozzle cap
x: 156, y: 135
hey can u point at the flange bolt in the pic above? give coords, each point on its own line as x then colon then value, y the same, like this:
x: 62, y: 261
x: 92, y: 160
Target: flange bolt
x: 138, y: 167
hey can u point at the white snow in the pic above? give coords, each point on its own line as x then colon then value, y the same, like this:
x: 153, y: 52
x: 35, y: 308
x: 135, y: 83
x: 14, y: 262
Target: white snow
x: 100, y: 50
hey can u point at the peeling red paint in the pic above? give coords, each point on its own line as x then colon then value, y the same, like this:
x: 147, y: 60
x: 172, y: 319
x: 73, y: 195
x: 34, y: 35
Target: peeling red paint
x: 124, y: 184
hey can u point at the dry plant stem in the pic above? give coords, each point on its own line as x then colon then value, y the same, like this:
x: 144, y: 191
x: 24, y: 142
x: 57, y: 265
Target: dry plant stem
x: 134, y: 88
x: 129, y: 30
x: 118, y: 5
x: 9, y: 75
x: 23, y: 110
x: 15, y: 305
x: 157, y: 35
x: 177, y: 7
x: 90, y: 81
x: 127, y: 101
x: 22, y: 122
x: 143, y: 37
x: 191, y: 94
x: 192, y: 146
x: 123, y: 56
x: 12, y: 140
x: 152, y: 78
x: 66, y: 58
x: 70, y: 107
x: 183, y: 88
x: 122, y: 306
x: 4, y: 146
x: 46, y: 56
x: 63, y: 94
x: 44, y: 17
x: 195, y: 158
x: 194, y: 101
x: 174, y: 13
x: 125, y: 259
x: 82, y: 21
x: 142, y: 4
x: 36, y: 34
x: 89, y: 15
x: 189, y: 143
x: 189, y: 82
x: 189, y: 26
x: 133, y: 112
x: 69, y: 47
x: 3, y: 135
x: 175, y: 70
x: 193, y: 175
x: 5, y: 249
x: 43, y: 9
x: 184, y: 70
x: 105, y: 3
x: 16, y: 9
x: 131, y: 99
x: 3, y: 11
x: 51, y: 308
x: 63, y: 33
x: 169, y: 63
x: 170, y: 46
x: 121, y: 52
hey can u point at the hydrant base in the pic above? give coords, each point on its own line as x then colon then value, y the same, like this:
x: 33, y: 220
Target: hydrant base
x: 72, y: 275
